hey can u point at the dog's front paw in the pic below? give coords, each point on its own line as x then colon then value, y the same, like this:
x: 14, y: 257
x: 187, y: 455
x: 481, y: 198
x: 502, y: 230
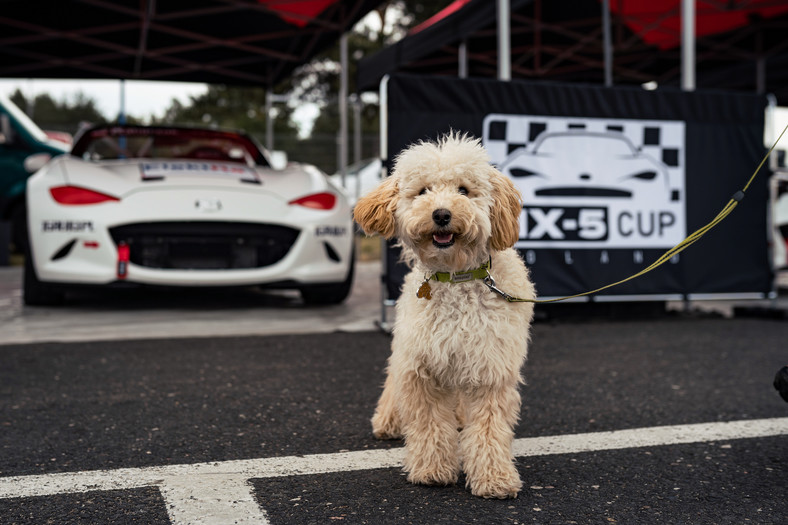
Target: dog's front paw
x: 434, y: 476
x: 501, y: 485
x: 386, y: 426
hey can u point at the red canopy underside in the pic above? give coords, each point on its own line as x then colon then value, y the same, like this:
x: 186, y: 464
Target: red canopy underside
x: 298, y: 12
x: 658, y: 22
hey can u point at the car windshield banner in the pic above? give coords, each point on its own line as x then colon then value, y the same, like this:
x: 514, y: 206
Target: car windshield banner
x: 611, y: 178
x: 163, y: 169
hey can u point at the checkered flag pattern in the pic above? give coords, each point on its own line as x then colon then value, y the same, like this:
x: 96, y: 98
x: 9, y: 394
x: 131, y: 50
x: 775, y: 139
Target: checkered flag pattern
x: 659, y: 139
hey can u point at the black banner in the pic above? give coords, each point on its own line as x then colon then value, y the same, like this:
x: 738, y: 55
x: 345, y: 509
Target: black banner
x: 611, y: 178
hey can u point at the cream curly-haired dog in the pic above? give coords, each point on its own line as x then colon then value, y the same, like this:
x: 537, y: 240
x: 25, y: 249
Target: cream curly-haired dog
x: 458, y: 346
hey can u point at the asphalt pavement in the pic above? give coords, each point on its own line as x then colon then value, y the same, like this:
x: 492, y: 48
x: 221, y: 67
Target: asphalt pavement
x: 124, y: 406
x: 236, y: 406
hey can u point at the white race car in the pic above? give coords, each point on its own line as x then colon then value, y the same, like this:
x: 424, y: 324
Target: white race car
x: 179, y: 206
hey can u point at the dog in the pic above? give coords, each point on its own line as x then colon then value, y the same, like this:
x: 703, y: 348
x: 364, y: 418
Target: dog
x: 453, y: 377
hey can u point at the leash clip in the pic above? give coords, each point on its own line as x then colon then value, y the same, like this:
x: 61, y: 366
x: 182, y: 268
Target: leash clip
x: 490, y: 282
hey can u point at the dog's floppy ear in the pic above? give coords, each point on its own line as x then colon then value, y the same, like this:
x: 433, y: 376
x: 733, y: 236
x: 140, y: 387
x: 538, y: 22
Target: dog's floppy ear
x: 374, y: 212
x: 505, y: 215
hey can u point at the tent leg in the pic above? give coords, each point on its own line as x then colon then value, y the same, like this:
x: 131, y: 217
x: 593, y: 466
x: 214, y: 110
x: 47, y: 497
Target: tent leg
x: 343, y: 125
x: 385, y: 303
x: 504, y: 41
x: 688, y: 45
x: 462, y: 59
x: 383, y: 324
x: 608, y: 43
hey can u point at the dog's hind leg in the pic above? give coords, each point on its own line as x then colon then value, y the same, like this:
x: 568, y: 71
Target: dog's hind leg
x: 386, y: 422
x: 431, y: 436
x: 486, y: 442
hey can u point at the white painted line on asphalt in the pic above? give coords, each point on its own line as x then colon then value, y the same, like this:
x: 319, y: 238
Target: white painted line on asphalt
x: 220, y: 492
x: 210, y: 498
x: 650, y: 437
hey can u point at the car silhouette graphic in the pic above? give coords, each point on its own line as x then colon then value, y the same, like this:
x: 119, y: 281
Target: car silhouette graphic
x: 586, y: 164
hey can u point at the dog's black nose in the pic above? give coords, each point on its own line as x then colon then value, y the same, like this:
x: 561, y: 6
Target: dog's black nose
x: 441, y: 217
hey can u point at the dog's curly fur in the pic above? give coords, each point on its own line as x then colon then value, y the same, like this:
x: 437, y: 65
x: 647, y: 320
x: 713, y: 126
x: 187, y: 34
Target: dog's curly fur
x: 456, y: 358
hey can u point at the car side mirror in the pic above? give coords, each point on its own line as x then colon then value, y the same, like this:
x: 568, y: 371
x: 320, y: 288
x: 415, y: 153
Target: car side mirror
x: 278, y: 159
x: 36, y: 161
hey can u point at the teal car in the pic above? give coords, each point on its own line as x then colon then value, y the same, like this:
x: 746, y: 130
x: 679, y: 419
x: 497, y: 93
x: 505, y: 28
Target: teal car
x: 24, y: 149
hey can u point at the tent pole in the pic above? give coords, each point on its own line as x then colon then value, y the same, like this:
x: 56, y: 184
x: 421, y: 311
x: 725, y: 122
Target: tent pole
x: 357, y: 106
x: 343, y: 124
x: 269, y: 120
x: 122, y: 112
x: 462, y: 59
x: 608, y: 43
x: 270, y: 116
x: 688, y: 45
x: 760, y: 75
x: 504, y: 41
x: 760, y: 65
x: 355, y: 102
x: 385, y: 302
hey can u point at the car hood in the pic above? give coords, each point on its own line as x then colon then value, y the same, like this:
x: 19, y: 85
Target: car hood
x: 121, y: 178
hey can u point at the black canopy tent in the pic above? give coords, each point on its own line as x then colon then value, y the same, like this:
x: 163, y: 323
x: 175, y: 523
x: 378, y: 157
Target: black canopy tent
x: 739, y: 45
x: 239, y: 42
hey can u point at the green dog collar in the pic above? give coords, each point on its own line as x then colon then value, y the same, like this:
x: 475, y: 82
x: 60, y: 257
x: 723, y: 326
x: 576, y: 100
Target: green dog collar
x: 482, y: 272
x: 462, y: 277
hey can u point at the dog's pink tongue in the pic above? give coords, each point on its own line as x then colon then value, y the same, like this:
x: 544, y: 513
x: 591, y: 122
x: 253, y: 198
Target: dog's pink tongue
x: 442, y: 238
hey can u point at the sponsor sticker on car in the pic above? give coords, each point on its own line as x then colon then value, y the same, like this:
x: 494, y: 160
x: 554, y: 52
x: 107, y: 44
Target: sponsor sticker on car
x: 330, y: 231
x: 67, y: 226
x: 166, y: 169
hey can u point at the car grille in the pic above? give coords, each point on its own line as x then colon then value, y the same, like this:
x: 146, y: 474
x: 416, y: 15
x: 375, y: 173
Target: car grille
x: 205, y: 245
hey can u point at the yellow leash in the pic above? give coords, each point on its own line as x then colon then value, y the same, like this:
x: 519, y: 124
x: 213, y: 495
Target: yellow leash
x: 691, y: 239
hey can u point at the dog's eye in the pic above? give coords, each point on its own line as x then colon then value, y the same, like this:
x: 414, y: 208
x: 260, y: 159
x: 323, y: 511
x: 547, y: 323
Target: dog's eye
x: 463, y: 190
x: 423, y: 191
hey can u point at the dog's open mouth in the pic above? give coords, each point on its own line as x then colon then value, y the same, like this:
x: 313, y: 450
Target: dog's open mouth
x: 442, y: 239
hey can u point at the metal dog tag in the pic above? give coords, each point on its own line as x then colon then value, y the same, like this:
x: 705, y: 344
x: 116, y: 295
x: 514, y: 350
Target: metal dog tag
x: 424, y: 291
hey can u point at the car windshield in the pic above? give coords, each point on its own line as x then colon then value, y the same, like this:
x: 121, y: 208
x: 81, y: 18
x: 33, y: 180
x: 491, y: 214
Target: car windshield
x: 122, y: 142
x: 566, y: 143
